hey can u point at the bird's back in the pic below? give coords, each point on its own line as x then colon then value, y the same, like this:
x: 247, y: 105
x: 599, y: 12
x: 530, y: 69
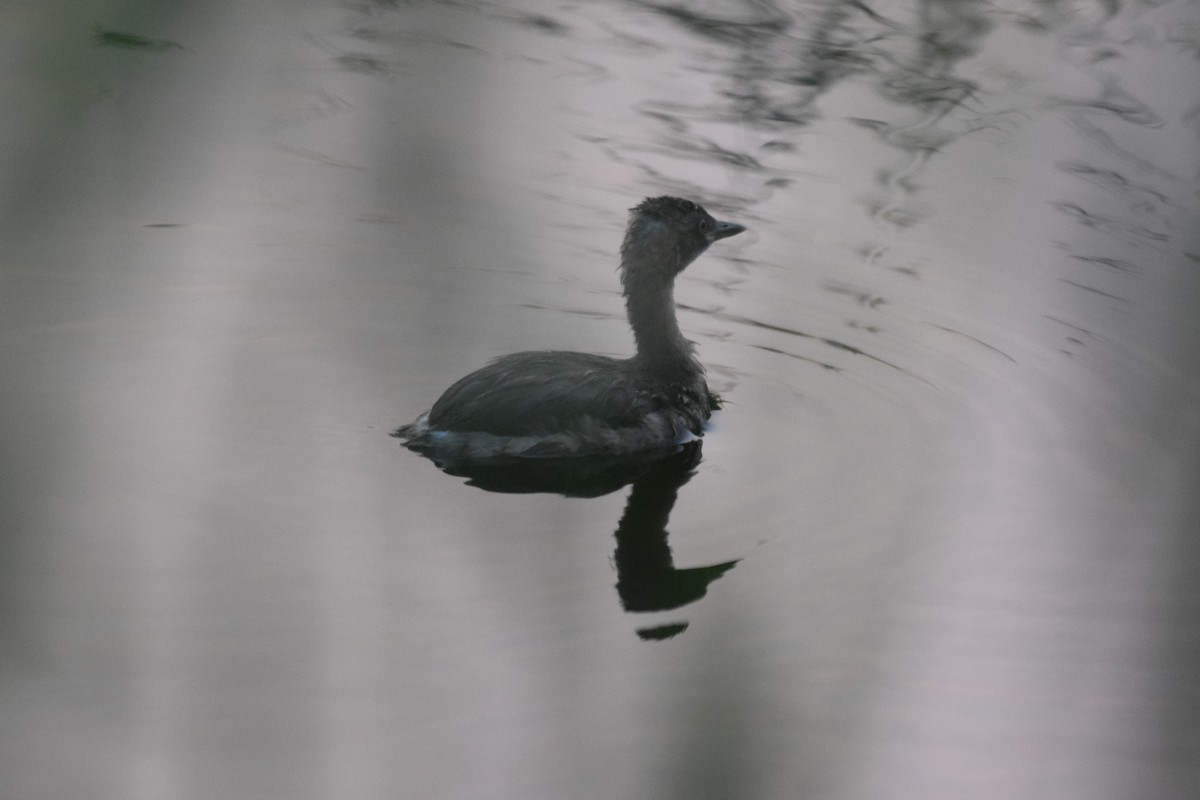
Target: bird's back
x: 564, y: 403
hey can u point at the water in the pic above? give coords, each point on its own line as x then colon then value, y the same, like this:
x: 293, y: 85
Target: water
x: 949, y: 507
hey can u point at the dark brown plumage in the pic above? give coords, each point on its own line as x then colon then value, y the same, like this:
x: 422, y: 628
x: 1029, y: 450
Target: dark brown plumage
x: 554, y: 403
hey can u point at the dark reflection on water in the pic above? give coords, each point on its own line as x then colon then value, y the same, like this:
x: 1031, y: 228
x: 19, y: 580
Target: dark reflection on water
x: 647, y: 579
x: 131, y: 41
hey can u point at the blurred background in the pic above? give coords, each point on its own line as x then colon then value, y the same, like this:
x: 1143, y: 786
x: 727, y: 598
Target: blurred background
x: 951, y: 498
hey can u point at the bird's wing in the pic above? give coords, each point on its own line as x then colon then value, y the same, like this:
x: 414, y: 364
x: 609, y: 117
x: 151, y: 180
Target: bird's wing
x: 544, y: 392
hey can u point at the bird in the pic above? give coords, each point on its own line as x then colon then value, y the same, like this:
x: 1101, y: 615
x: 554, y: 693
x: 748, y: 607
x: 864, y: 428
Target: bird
x: 555, y: 404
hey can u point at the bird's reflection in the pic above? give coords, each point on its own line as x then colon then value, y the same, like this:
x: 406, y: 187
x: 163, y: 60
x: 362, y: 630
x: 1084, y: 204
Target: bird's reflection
x: 647, y: 579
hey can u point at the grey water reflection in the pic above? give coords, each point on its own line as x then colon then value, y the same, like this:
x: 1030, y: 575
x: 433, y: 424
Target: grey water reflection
x: 647, y: 579
x: 957, y: 464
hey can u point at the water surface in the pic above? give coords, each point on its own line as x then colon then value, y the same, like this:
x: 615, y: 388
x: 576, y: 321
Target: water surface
x: 942, y: 536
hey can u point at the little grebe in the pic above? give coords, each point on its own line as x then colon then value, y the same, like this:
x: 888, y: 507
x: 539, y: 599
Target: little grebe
x: 555, y: 404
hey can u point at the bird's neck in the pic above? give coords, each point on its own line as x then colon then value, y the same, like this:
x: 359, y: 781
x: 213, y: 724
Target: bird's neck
x: 660, y: 344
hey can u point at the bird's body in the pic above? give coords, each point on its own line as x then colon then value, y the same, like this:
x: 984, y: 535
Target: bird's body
x: 556, y: 403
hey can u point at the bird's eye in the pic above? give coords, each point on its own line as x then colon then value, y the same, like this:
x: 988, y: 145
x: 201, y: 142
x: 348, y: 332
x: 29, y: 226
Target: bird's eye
x: 706, y: 225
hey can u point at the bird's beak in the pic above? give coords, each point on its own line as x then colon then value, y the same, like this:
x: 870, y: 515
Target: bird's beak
x: 724, y: 230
